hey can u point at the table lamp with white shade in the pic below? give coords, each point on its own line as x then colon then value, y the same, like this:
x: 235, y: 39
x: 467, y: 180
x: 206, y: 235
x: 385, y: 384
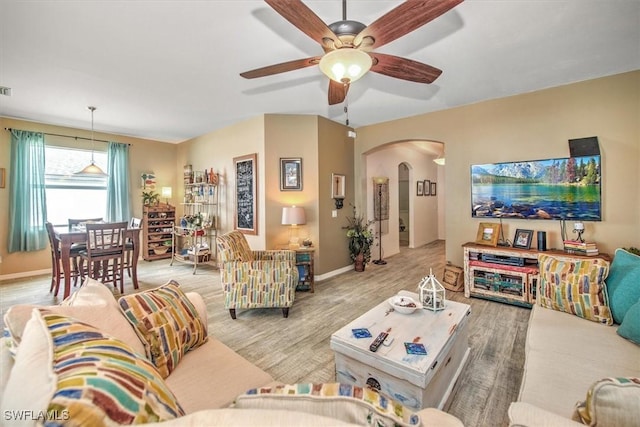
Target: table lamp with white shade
x: 166, y: 193
x: 293, y: 216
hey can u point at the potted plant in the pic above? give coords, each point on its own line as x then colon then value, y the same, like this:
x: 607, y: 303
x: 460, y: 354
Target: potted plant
x: 150, y: 198
x: 360, y: 240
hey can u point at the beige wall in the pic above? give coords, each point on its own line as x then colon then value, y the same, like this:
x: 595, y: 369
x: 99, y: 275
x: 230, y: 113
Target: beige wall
x: 529, y: 127
x: 217, y: 150
x: 162, y: 162
x: 525, y: 127
x: 323, y: 147
x: 335, y: 155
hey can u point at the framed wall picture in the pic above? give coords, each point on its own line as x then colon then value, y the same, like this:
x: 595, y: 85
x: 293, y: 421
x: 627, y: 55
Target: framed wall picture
x: 432, y: 188
x: 338, y: 186
x: 488, y: 233
x: 3, y: 177
x: 420, y: 188
x: 246, y: 211
x: 427, y: 187
x: 522, y: 239
x: 291, y: 174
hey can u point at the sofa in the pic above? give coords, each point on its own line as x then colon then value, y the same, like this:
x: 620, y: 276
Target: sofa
x: 582, y: 355
x: 95, y: 360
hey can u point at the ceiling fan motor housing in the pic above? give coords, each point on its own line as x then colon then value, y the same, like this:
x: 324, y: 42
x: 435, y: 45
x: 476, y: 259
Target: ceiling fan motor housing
x: 347, y: 30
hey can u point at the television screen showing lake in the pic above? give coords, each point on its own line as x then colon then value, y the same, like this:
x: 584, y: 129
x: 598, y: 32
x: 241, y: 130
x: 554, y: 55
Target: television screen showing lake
x: 564, y: 188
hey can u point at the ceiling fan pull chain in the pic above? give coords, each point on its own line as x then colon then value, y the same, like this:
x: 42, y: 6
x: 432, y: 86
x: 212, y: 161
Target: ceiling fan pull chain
x: 346, y: 111
x: 344, y: 10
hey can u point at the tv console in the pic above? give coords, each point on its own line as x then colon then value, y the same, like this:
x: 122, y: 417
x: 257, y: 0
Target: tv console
x: 505, y: 274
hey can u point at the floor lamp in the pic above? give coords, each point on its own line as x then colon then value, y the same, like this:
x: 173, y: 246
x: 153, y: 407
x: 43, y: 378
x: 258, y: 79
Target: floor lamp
x: 379, y: 184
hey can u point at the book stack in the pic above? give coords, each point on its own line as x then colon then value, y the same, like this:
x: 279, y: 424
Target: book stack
x: 580, y: 248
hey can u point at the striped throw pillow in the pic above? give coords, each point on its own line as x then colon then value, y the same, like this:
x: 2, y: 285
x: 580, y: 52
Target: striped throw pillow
x: 575, y: 286
x: 101, y: 381
x: 166, y: 322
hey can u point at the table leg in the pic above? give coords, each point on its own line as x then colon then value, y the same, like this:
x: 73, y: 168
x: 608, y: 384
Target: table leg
x: 65, y: 259
x: 134, y: 261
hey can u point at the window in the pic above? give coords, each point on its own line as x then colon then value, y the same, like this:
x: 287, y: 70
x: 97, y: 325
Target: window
x: 69, y: 195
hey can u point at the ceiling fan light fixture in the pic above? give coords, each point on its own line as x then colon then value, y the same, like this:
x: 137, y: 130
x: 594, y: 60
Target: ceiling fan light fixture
x: 345, y: 65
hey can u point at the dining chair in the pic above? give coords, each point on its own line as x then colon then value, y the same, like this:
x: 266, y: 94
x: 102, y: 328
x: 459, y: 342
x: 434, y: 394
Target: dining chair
x: 105, y: 252
x: 56, y: 268
x: 128, y: 245
x: 77, y: 247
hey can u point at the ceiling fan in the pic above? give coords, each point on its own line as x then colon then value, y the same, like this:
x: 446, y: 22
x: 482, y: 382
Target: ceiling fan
x: 348, y: 44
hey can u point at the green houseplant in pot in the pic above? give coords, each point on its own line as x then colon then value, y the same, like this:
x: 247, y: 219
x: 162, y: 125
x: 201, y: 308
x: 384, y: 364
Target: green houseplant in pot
x: 360, y: 239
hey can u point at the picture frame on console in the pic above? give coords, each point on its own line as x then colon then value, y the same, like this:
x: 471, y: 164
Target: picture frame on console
x: 488, y: 233
x: 522, y: 239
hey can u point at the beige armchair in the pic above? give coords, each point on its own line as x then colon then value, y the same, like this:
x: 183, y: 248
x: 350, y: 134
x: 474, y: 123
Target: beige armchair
x: 255, y: 279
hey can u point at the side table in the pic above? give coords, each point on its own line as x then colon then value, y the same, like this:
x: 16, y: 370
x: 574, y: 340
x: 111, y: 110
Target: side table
x: 304, y: 262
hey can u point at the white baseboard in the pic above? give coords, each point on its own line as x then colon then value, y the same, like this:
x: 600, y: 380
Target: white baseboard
x: 333, y: 273
x: 24, y: 274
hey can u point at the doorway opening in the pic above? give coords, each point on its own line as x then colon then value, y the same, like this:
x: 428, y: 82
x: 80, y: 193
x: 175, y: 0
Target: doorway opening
x: 403, y: 204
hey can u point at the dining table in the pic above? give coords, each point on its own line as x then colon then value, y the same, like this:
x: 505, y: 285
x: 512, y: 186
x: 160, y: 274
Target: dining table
x: 68, y: 235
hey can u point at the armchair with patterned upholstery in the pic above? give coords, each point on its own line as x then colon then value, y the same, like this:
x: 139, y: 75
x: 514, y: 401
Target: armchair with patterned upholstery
x: 255, y: 279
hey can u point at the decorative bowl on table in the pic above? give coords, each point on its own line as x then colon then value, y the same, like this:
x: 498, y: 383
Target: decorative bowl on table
x: 404, y: 304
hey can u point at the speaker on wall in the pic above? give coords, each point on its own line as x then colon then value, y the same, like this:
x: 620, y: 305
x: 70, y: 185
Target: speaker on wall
x: 584, y: 147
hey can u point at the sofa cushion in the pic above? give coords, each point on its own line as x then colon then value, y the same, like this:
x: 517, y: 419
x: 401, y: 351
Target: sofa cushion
x: 576, y: 286
x: 623, y: 283
x: 167, y: 323
x: 611, y: 402
x: 344, y: 402
x: 80, y: 376
x: 231, y: 417
x: 565, y: 354
x: 630, y: 327
x: 93, y: 303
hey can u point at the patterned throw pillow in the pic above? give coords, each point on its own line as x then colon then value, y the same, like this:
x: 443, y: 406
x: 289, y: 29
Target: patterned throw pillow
x: 610, y: 402
x: 93, y: 379
x: 345, y: 402
x: 167, y: 323
x: 575, y: 286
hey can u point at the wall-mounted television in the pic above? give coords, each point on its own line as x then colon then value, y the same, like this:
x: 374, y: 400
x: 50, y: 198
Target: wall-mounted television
x: 561, y: 189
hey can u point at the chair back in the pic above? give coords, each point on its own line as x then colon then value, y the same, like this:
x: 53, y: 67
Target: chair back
x: 233, y: 246
x: 53, y: 242
x: 105, y: 238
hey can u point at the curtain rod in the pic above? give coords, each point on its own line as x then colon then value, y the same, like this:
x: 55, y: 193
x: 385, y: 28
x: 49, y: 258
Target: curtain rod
x: 67, y: 136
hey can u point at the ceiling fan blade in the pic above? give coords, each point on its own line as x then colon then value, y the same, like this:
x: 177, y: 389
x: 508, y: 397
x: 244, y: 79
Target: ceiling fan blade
x: 405, y: 18
x: 305, y: 20
x: 281, y: 68
x: 403, y: 68
x: 337, y: 92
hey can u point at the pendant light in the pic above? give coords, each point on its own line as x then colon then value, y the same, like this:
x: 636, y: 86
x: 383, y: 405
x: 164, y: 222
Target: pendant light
x: 92, y: 169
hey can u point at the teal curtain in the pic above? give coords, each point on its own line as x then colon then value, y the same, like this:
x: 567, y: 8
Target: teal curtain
x: 27, y: 199
x: 118, y: 204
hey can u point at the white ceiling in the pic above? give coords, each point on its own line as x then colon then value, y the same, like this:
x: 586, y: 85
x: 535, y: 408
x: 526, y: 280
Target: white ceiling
x: 169, y: 70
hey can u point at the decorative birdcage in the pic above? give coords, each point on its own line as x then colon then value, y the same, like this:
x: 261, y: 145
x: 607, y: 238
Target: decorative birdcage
x: 432, y: 293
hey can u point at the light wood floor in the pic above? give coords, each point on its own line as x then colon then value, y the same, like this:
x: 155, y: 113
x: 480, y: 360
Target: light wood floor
x: 297, y: 349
